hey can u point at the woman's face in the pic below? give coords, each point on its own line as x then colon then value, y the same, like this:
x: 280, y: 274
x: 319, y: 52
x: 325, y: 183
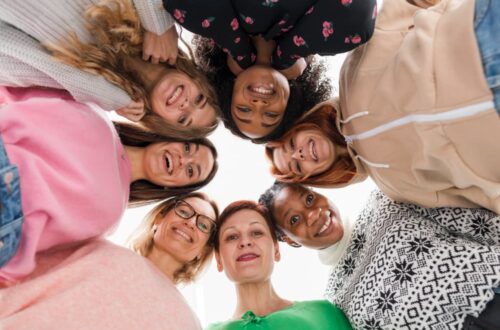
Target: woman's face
x: 307, y: 217
x: 178, y: 99
x: 177, y: 164
x: 304, y: 153
x: 259, y: 100
x: 179, y: 237
x: 246, y: 250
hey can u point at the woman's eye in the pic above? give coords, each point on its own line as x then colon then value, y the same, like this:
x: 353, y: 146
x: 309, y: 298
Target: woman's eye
x: 199, y: 99
x: 309, y: 199
x: 231, y: 238
x: 203, y: 226
x: 187, y: 147
x: 244, y: 110
x: 190, y: 171
x: 258, y: 233
x: 271, y: 114
x: 292, y: 144
x: 182, y: 120
x: 294, y: 219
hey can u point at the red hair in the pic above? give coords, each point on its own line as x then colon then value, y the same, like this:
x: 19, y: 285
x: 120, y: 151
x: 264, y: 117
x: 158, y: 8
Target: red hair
x: 323, y: 119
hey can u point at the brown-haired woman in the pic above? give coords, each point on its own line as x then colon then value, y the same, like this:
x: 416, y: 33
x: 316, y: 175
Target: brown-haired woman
x: 423, y: 137
x: 246, y: 248
x: 176, y: 236
x: 77, y: 173
x: 101, y: 46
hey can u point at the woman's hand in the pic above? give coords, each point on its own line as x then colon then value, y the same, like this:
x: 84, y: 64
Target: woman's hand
x: 233, y: 66
x: 133, y: 112
x: 160, y: 48
x: 295, y: 70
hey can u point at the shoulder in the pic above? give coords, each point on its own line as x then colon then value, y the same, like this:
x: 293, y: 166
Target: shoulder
x: 227, y: 325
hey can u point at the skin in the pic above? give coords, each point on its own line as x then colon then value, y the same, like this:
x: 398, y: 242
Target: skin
x: 178, y: 100
x: 178, y: 240
x: 171, y: 164
x: 302, y: 213
x: 246, y: 250
x: 305, y: 153
x: 259, y: 100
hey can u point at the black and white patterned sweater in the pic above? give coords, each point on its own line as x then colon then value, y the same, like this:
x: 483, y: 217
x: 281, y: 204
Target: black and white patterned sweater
x: 408, y: 267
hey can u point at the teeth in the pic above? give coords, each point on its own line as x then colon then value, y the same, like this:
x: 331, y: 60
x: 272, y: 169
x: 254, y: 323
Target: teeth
x: 183, y: 234
x: 175, y: 96
x: 312, y: 151
x: 168, y: 161
x: 262, y: 90
x: 326, y: 225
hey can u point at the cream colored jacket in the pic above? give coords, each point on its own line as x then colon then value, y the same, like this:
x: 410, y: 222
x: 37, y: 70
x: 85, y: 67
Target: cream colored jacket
x: 417, y: 112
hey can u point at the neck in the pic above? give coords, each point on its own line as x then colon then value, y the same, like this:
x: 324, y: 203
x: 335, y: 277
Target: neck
x: 260, y: 298
x: 164, y: 262
x: 149, y: 73
x: 135, y: 155
x: 264, y: 50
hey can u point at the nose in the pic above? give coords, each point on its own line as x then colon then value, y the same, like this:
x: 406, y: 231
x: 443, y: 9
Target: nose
x: 258, y: 101
x: 299, y: 154
x: 185, y: 105
x: 245, y: 241
x: 191, y: 222
x: 313, y: 216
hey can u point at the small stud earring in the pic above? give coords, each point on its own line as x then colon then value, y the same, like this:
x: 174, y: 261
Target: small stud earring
x: 154, y: 228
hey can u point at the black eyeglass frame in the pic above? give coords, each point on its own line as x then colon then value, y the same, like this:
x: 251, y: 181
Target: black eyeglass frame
x: 194, y: 213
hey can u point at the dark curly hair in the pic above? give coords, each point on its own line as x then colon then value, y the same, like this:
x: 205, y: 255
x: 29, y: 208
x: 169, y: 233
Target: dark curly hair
x: 306, y: 91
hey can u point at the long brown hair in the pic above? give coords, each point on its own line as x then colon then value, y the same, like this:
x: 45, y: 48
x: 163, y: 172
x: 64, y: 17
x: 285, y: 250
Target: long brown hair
x: 143, y: 192
x: 142, y: 242
x: 341, y: 171
x: 118, y: 36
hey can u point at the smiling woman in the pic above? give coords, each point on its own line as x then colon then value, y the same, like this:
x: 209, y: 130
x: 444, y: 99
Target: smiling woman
x: 246, y: 248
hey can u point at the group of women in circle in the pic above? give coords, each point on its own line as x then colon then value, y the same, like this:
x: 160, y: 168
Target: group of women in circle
x: 418, y: 91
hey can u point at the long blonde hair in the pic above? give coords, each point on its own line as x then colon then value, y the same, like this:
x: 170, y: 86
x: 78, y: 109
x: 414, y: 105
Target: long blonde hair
x: 118, y: 36
x: 142, y: 242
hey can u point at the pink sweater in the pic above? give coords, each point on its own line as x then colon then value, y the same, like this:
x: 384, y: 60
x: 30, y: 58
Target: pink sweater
x: 97, y: 285
x: 74, y: 171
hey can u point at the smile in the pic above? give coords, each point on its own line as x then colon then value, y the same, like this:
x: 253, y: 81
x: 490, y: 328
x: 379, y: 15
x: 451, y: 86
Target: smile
x: 169, y: 164
x: 182, y: 234
x: 175, y: 95
x: 312, y: 150
x: 262, y: 91
x: 324, y: 230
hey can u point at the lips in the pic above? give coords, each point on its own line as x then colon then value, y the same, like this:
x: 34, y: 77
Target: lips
x: 169, y: 162
x: 260, y: 90
x: 313, y: 151
x: 327, y: 225
x: 182, y: 234
x: 176, y: 94
x: 247, y: 257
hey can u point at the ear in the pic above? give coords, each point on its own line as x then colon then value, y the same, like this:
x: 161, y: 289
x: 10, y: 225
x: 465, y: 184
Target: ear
x: 289, y: 241
x: 219, y: 263
x: 277, y: 255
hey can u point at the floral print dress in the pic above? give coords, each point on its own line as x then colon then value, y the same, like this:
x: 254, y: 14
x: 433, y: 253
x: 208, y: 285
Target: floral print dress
x: 299, y: 27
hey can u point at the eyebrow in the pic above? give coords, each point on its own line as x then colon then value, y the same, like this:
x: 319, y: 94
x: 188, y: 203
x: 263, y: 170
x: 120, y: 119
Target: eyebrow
x: 190, y: 121
x: 246, y: 121
x: 251, y: 223
x: 198, y: 167
x: 269, y: 125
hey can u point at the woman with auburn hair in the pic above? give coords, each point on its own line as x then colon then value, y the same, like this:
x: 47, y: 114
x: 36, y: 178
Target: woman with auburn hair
x: 257, y: 54
x: 95, y: 50
x: 419, y: 124
x: 76, y: 173
x: 246, y: 248
x: 177, y: 236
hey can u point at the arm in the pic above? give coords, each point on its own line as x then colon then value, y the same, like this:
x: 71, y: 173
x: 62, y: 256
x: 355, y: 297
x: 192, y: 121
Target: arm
x: 327, y: 28
x: 216, y: 20
x: 24, y: 62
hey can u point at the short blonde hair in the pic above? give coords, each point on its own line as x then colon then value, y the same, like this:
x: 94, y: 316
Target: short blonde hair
x: 142, y: 242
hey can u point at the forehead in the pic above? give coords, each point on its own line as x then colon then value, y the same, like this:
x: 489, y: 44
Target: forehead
x: 254, y: 128
x: 281, y: 159
x: 206, y: 159
x: 201, y: 206
x: 243, y: 218
x: 288, y: 196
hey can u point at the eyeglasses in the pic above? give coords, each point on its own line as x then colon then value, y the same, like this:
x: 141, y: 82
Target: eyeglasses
x: 186, y: 211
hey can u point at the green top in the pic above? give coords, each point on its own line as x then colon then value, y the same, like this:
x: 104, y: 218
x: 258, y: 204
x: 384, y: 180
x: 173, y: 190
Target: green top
x: 314, y: 314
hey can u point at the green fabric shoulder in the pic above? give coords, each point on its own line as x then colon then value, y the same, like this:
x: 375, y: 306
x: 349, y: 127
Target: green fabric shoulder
x: 312, y: 315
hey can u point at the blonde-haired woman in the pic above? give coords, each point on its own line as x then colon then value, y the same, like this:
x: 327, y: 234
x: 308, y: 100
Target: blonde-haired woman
x: 102, y: 45
x: 176, y: 236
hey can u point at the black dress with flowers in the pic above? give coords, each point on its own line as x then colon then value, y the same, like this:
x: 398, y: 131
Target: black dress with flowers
x: 299, y: 27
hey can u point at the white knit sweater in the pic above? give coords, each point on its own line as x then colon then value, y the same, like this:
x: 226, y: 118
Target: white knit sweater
x: 24, y: 62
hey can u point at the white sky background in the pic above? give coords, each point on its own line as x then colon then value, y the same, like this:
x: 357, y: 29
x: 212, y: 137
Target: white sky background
x: 244, y: 174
